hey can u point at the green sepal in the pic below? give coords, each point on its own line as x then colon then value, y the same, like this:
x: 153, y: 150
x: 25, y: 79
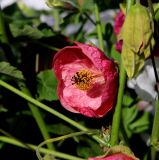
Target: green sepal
x: 137, y: 30
x: 137, y: 36
x: 120, y: 149
x: 128, y: 58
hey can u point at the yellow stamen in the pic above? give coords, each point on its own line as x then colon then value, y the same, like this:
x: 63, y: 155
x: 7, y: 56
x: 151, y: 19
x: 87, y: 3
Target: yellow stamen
x: 83, y: 79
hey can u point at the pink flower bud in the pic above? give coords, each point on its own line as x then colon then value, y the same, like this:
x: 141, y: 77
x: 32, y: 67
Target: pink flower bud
x: 117, y: 153
x: 87, y: 80
x: 119, y: 20
x: 118, y: 46
x: 117, y: 156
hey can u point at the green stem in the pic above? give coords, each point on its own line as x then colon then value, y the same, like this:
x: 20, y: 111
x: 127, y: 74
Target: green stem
x: 151, y: 8
x: 35, y: 111
x: 38, y: 117
x: 99, y: 27
x: 122, y: 79
x: 12, y: 137
x: 155, y: 131
x: 57, y: 19
x: 41, y: 150
x: 117, y: 113
x: 155, y: 128
x: 58, y: 139
x: 3, y: 37
x: 47, y: 46
x: 151, y: 49
x: 48, y: 109
x: 88, y: 17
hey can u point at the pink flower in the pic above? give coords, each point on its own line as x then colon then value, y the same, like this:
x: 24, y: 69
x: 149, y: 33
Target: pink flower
x: 87, y: 80
x: 117, y: 156
x: 117, y: 153
x: 119, y: 20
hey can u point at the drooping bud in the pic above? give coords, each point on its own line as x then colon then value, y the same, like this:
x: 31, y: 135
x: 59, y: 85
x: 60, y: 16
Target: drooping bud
x: 137, y: 36
x: 61, y: 4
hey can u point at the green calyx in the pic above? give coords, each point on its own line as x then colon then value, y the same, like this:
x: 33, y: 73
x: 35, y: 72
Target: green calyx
x: 119, y: 149
x: 137, y: 36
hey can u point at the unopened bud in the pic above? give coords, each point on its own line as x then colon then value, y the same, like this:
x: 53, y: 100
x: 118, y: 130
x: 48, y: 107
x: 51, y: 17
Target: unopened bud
x: 137, y: 36
x: 60, y: 4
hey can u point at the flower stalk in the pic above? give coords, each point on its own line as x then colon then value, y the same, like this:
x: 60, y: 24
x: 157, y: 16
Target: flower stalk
x: 56, y: 15
x: 52, y: 140
x: 36, y: 113
x: 38, y: 118
x: 117, y: 114
x: 99, y: 27
x: 155, y: 132
x: 48, y: 109
x: 41, y: 150
x: 155, y: 128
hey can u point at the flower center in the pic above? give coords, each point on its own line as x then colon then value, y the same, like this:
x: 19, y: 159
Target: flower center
x: 83, y: 79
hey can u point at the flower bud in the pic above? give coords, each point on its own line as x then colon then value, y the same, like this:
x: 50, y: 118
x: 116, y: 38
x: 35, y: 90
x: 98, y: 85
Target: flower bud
x: 117, y: 153
x: 137, y: 36
x: 60, y: 4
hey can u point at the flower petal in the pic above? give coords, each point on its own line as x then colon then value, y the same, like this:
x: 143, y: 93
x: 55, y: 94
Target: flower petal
x: 73, y: 62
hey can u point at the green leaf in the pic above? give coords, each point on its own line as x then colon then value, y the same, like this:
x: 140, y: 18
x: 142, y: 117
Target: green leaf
x: 1, y: 145
x: 47, y: 32
x: 141, y: 124
x: 47, y: 84
x: 134, y: 120
x: 26, y: 10
x: 29, y: 31
x: 156, y: 10
x: 87, y: 5
x: 88, y: 148
x: 115, y: 55
x: 127, y: 100
x: 25, y: 30
x: 3, y: 109
x: 7, y: 69
x: 59, y: 129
